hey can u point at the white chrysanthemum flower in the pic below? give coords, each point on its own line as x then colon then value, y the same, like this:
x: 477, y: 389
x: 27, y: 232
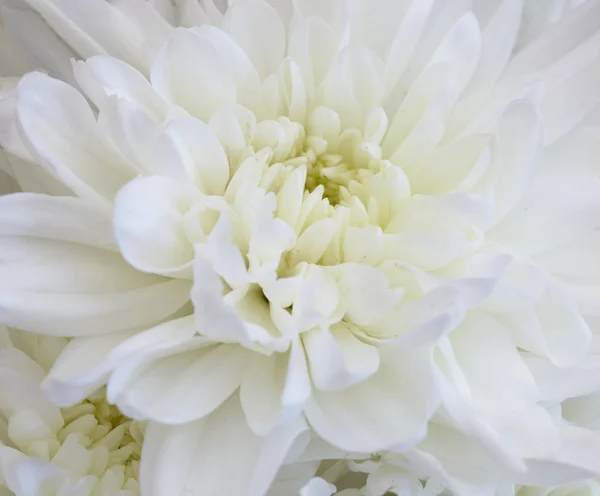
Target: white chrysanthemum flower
x: 362, y: 214
x: 89, y: 449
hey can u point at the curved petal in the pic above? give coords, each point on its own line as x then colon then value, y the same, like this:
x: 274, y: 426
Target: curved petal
x: 103, y: 76
x: 189, y: 72
x: 364, y: 293
x: 60, y: 130
x: 259, y: 30
x: 87, y: 314
x: 149, y: 225
x: 274, y: 388
x: 520, y: 141
x: 29, y: 475
x: 354, y: 86
x: 242, y: 68
x: 391, y: 409
x: 577, y: 459
x: 142, y: 141
x: 496, y: 403
x: 211, y: 164
x: 60, y: 218
x: 337, y: 358
x: 81, y: 368
x: 196, y: 459
x: 185, y: 386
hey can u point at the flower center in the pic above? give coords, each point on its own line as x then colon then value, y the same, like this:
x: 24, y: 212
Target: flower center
x: 335, y: 161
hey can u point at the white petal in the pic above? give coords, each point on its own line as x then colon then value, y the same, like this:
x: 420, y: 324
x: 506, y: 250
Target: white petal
x: 84, y: 28
x: 564, y: 106
x: 196, y: 459
x: 423, y: 321
x: 406, y: 38
x: 29, y: 475
x: 553, y: 328
x: 258, y: 29
x: 290, y: 196
x: 149, y: 225
x: 497, y: 43
x: 337, y: 358
x: 73, y: 34
x: 475, y: 276
x: 437, y: 456
x: 211, y: 164
x: 520, y: 137
x: 377, y: 419
x: 81, y: 368
x: 313, y: 242
x: 185, y: 386
x: 557, y: 41
x: 102, y: 76
x: 313, y: 46
x: 75, y: 270
x: 291, y: 478
x: 361, y: 244
x: 316, y: 299
x: 142, y: 141
x: 364, y: 291
x: 270, y: 236
x: 61, y: 314
x: 317, y: 487
x: 170, y: 337
x: 354, y: 86
x: 59, y: 128
x: 189, y: 72
x: 39, y: 42
x: 51, y: 217
x: 294, y: 90
x: 244, y: 72
x: 505, y: 394
x: 234, y: 128
x: 556, y: 383
x: 274, y: 389
x: 577, y: 459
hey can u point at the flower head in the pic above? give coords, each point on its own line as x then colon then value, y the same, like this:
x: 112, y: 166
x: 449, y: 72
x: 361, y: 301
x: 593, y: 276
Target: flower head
x: 336, y: 212
x: 89, y: 449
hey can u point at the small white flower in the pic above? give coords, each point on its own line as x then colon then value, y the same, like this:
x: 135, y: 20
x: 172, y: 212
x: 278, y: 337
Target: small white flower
x: 378, y: 217
x: 89, y: 449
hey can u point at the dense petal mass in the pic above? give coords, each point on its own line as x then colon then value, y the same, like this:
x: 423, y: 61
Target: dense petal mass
x: 285, y: 232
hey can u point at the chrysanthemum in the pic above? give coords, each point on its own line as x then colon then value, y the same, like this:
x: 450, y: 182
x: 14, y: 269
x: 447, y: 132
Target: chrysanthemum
x: 89, y: 449
x: 358, y: 214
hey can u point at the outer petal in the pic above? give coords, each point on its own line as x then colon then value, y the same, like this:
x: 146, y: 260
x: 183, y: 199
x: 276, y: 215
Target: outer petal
x: 274, y: 388
x: 81, y: 368
x: 60, y: 130
x: 142, y: 141
x: 184, y: 386
x: 337, y: 358
x: 86, y: 314
x: 502, y: 390
x: 189, y: 72
x: 520, y: 140
x: 389, y: 410
x: 102, y: 76
x: 211, y: 169
x: 196, y: 459
x: 577, y: 459
x: 354, y: 86
x: 51, y: 217
x: 258, y: 29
